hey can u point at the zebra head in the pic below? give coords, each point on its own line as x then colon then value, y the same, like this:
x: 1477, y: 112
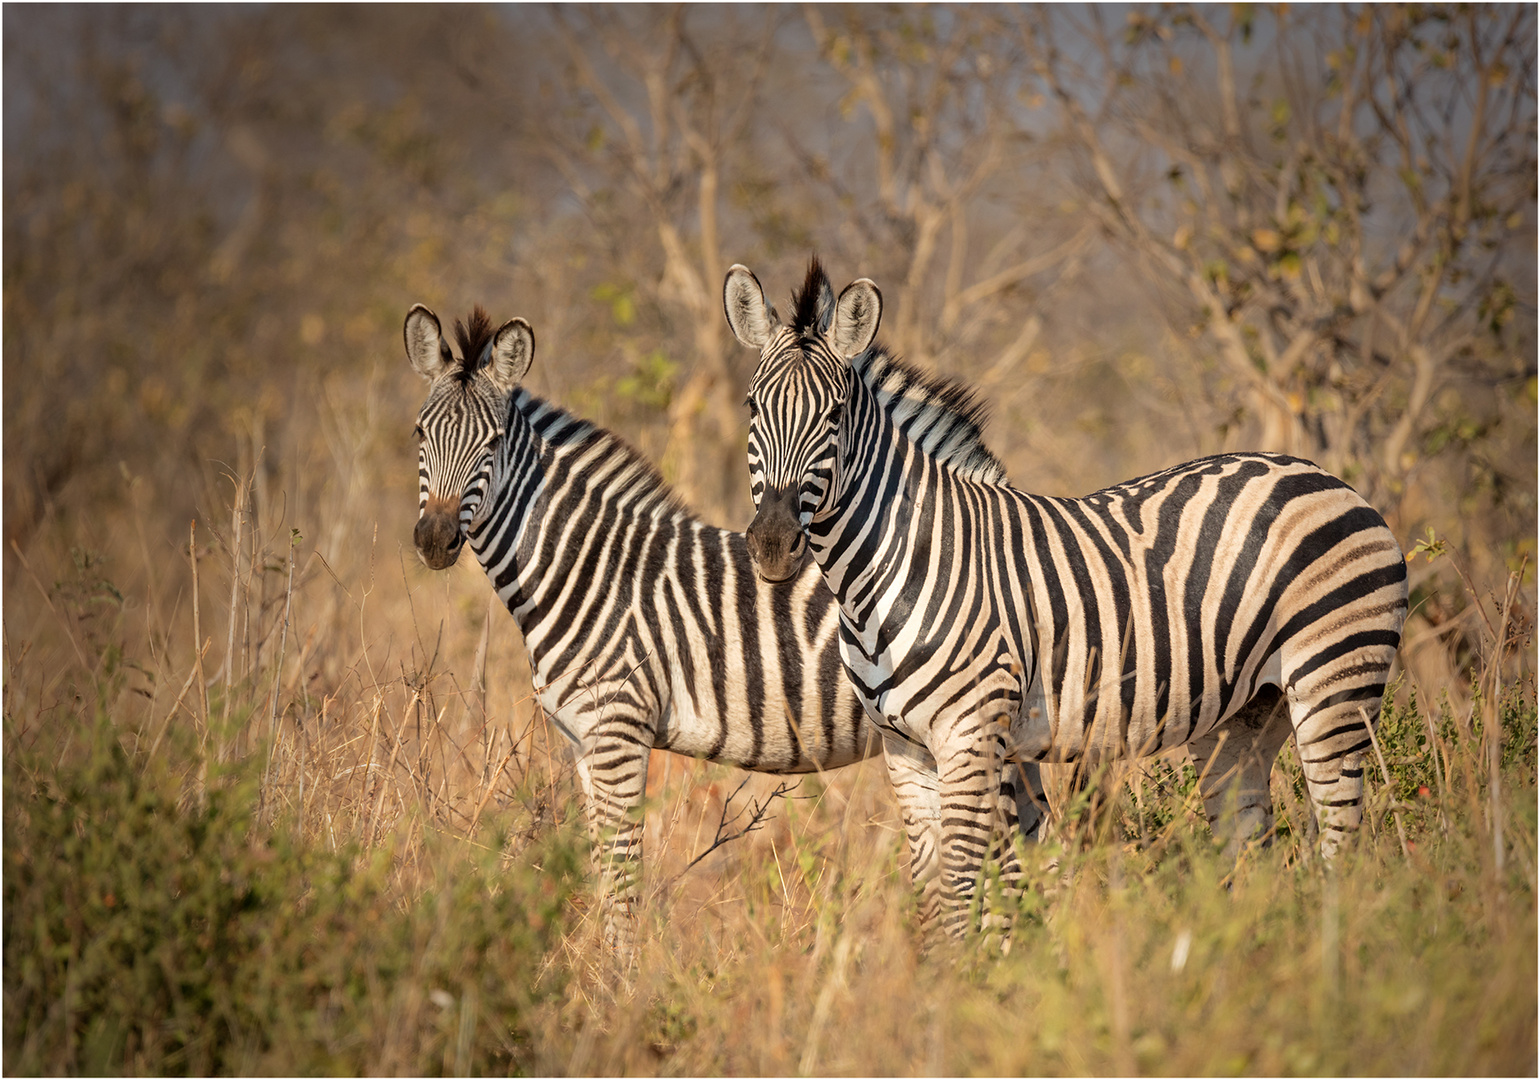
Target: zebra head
x: 463, y: 421
x: 796, y: 401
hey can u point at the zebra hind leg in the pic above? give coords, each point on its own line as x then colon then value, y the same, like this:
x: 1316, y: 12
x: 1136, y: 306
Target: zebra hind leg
x: 1023, y: 800
x: 1234, y: 764
x: 1333, y: 740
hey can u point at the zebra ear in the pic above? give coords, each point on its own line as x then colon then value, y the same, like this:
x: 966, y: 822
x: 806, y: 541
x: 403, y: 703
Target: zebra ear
x: 425, y: 345
x: 751, y: 319
x: 513, y: 350
x: 856, y: 315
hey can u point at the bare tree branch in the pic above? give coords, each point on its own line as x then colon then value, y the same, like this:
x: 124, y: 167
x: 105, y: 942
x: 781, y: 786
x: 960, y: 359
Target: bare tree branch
x: 757, y: 810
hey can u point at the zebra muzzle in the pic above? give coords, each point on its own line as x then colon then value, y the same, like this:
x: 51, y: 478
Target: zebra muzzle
x: 437, y: 535
x: 776, y: 544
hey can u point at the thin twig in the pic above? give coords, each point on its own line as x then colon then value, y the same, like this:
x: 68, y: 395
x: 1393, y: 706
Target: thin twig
x: 203, y: 688
x: 1441, y: 763
x: 758, y: 810
x: 283, y: 641
x: 191, y: 675
x: 63, y: 622
x: 487, y: 794
x: 238, y: 520
x: 479, y: 664
x: 1491, y: 726
x: 379, y: 802
x: 374, y: 732
x: 199, y: 648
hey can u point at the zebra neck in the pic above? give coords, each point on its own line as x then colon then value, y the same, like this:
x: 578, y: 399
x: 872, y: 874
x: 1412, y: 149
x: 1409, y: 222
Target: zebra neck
x: 563, y: 488
x: 884, y: 489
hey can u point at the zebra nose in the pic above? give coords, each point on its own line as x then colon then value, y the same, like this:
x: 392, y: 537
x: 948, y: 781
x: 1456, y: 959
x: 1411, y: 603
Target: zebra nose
x: 437, y: 537
x: 775, y: 540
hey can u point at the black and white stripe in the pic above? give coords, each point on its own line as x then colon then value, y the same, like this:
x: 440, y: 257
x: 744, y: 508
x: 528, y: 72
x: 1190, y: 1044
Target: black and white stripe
x: 1176, y: 609
x: 646, y: 628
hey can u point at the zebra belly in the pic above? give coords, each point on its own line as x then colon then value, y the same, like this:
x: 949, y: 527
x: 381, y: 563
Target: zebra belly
x: 582, y: 709
x: 752, y: 731
x: 1059, y: 733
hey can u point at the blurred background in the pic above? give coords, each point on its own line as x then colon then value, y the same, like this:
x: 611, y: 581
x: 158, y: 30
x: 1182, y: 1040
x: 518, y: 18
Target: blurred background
x: 1145, y: 233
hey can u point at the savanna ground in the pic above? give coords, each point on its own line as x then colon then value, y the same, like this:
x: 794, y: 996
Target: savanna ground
x: 277, y: 798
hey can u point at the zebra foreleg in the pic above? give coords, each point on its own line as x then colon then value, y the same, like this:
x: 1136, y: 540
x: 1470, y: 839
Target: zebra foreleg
x: 613, y: 772
x: 1019, y: 820
x: 1019, y: 811
x: 916, y: 786
x: 969, y: 768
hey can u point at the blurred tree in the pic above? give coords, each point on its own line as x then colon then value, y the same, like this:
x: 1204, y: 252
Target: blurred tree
x: 1339, y: 200
x: 1306, y: 229
x: 204, y: 215
x: 651, y: 114
x: 938, y: 190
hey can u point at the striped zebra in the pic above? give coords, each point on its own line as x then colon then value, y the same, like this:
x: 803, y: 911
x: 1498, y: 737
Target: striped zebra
x: 646, y: 628
x: 1223, y: 604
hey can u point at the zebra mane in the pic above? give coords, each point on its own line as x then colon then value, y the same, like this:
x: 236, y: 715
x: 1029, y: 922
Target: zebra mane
x: 473, y: 334
x: 805, y: 301
x: 559, y: 427
x: 940, y: 415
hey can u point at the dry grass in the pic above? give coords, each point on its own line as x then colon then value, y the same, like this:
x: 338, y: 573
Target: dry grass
x: 401, y: 765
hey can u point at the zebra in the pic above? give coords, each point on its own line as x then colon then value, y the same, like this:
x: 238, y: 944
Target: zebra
x: 1224, y: 604
x: 646, y: 628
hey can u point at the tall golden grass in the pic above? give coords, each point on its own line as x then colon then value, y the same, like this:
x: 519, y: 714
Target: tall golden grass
x: 278, y: 799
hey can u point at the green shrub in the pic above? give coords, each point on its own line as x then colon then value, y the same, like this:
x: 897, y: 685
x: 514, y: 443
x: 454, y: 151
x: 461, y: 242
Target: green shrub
x: 149, y: 931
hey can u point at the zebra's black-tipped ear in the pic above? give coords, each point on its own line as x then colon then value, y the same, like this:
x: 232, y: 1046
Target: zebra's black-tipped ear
x: 425, y: 345
x: 751, y: 319
x: 857, y: 314
x: 512, y: 352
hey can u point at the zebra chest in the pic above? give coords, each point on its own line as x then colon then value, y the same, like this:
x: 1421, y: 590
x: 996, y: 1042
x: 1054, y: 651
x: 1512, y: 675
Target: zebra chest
x: 911, y: 681
x: 582, y: 682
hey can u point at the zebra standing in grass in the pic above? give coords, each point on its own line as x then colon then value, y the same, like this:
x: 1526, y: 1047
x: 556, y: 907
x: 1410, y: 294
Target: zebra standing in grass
x: 646, y: 628
x: 981, y: 622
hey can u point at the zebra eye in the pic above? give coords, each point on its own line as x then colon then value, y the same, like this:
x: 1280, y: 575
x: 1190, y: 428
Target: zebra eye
x: 418, y: 433
x: 748, y: 403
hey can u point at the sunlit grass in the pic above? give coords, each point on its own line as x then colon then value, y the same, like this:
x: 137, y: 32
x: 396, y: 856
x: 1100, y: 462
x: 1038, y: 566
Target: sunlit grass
x: 385, y: 873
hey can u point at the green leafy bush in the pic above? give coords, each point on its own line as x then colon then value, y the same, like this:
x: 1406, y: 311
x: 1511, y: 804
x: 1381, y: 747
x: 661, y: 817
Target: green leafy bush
x: 149, y: 931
